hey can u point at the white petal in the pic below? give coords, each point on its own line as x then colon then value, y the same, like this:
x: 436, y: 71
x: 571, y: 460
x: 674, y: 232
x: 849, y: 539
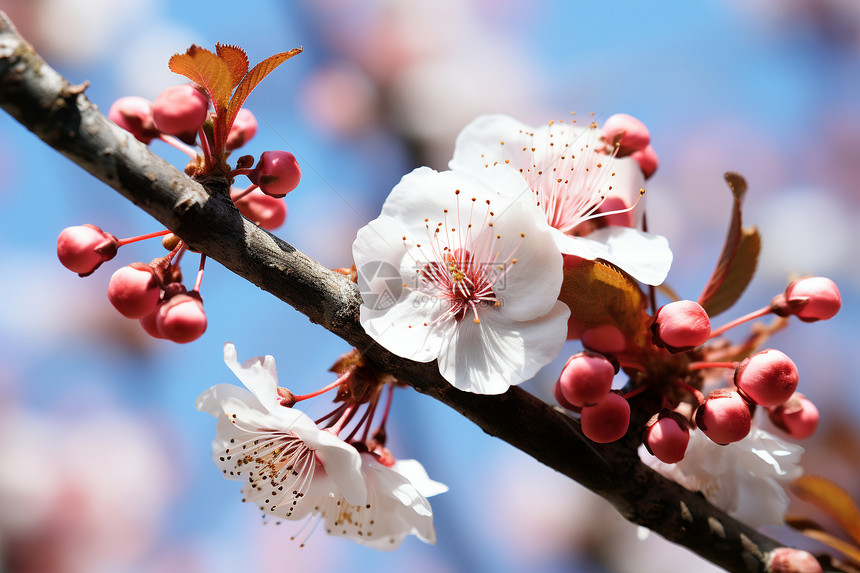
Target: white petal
x: 341, y: 461
x: 257, y: 374
x: 489, y: 357
x: 644, y: 256
x: 413, y: 471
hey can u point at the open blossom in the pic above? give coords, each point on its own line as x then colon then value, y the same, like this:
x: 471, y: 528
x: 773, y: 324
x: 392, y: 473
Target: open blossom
x: 572, y: 174
x: 743, y: 478
x: 396, y: 506
x: 289, y: 466
x: 453, y: 270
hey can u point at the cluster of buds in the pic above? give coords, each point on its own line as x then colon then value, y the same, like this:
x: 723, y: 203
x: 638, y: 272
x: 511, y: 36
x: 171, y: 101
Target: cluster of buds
x: 180, y: 116
x: 670, y: 370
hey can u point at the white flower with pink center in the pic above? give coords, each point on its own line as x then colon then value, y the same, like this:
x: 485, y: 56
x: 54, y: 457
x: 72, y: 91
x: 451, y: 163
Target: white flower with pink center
x: 572, y: 174
x: 396, y: 506
x: 289, y: 467
x: 455, y: 271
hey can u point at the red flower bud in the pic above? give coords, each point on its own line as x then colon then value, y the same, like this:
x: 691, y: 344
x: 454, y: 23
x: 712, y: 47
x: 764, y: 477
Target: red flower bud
x: 724, y: 417
x: 181, y: 318
x: 813, y: 298
x: 277, y: 173
x: 680, y: 326
x: 134, y: 114
x: 667, y: 436
x: 180, y: 110
x: 586, y: 378
x: 266, y: 211
x: 768, y: 378
x: 798, y: 417
x: 134, y: 290
x: 627, y: 131
x: 607, y: 420
x: 84, y: 248
x: 790, y: 560
x: 647, y: 160
x: 243, y: 129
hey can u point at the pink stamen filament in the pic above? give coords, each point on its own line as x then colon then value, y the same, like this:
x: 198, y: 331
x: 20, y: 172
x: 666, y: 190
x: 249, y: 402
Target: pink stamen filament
x: 176, y: 144
x: 705, y: 365
x: 738, y: 321
x: 123, y: 242
x: 199, y: 274
x: 321, y: 391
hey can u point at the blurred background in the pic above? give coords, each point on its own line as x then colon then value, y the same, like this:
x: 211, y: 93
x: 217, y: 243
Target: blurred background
x: 105, y: 464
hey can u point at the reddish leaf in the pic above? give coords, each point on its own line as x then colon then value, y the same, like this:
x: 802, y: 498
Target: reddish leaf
x: 206, y: 69
x: 834, y: 542
x: 599, y: 294
x: 250, y: 81
x: 738, y: 259
x: 236, y: 60
x: 831, y: 498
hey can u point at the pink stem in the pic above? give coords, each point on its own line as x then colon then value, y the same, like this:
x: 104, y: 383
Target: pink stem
x: 173, y: 142
x: 635, y: 392
x: 123, y: 242
x: 345, y: 417
x: 331, y: 386
x: 200, y: 273
x: 244, y: 193
x: 387, y: 406
x: 699, y: 396
x: 738, y: 321
x: 705, y: 365
x: 204, y: 145
x: 242, y: 171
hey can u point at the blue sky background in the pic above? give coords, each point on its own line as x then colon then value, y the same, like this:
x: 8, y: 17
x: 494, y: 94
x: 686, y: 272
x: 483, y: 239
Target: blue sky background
x: 769, y: 91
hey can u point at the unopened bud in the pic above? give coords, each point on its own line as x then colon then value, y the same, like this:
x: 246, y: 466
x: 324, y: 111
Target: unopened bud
x: 606, y: 339
x: 724, y: 417
x: 84, y: 248
x: 586, y: 378
x: 813, y: 298
x: 181, y: 318
x: 647, y: 160
x: 680, y: 326
x: 798, y: 417
x: 666, y: 437
x: 134, y: 290
x: 180, y: 110
x: 627, y: 132
x: 607, y: 420
x: 562, y: 401
x: 266, y: 211
x: 243, y: 129
x: 277, y: 173
x: 768, y: 378
x: 790, y: 560
x: 134, y: 114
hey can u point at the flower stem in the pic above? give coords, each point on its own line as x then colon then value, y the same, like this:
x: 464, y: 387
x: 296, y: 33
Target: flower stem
x: 199, y: 273
x: 331, y: 386
x: 738, y: 321
x: 695, y: 392
x: 634, y: 392
x: 347, y: 415
x: 175, y: 143
x: 244, y: 193
x: 123, y: 242
x: 204, y: 145
x: 705, y: 365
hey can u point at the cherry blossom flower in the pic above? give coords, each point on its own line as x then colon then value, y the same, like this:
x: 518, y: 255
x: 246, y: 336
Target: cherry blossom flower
x: 472, y: 279
x: 289, y: 466
x: 743, y: 478
x: 396, y: 507
x: 576, y: 182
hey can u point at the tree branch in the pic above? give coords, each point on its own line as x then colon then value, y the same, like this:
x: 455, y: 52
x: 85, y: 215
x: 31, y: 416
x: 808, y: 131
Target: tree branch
x: 206, y: 219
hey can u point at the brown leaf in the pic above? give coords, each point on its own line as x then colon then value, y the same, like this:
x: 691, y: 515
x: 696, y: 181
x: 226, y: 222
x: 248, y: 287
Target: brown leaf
x: 831, y: 498
x: 599, y: 294
x: 251, y: 79
x: 843, y: 547
x: 236, y: 60
x: 206, y: 69
x: 738, y: 259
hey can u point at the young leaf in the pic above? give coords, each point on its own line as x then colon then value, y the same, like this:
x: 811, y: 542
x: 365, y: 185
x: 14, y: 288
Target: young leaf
x: 738, y: 259
x: 831, y: 498
x: 236, y: 60
x: 599, y: 294
x: 206, y: 69
x: 250, y: 81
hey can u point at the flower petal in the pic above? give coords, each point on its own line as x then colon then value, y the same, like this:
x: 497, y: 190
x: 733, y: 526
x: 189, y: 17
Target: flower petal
x: 258, y: 374
x: 490, y: 356
x: 341, y: 461
x: 413, y: 471
x: 644, y: 256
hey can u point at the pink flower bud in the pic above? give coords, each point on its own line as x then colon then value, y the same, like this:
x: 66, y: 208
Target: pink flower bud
x: 790, y: 560
x: 586, y: 378
x: 798, y: 417
x: 148, y: 323
x: 84, y: 248
x: 243, y: 129
x: 562, y: 401
x: 181, y: 318
x: 180, y: 110
x: 277, y: 173
x: 680, y: 326
x: 822, y: 298
x: 266, y: 211
x: 607, y: 420
x: 134, y: 114
x: 607, y: 339
x: 667, y: 436
x: 626, y: 130
x: 768, y: 378
x: 647, y: 160
x: 133, y: 290
x: 724, y: 417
